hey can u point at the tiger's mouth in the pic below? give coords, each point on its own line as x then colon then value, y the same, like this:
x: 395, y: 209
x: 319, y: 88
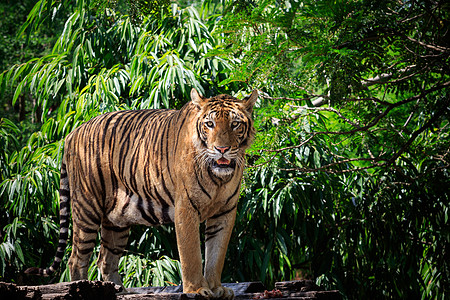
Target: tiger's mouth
x: 224, y: 163
x: 221, y: 165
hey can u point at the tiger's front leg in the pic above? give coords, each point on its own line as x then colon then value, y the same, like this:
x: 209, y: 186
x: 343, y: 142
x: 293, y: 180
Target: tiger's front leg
x: 217, y: 236
x: 187, y: 222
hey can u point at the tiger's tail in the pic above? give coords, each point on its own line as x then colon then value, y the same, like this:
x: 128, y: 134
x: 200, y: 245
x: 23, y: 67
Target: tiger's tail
x: 64, y: 219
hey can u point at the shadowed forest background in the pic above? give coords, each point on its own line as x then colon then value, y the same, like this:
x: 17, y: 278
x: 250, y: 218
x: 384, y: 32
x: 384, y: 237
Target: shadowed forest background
x: 348, y: 180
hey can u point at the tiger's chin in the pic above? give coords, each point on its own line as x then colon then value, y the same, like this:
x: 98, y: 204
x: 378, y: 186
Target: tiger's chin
x: 223, y: 167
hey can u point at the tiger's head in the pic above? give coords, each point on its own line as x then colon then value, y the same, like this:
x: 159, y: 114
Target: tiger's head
x: 224, y: 130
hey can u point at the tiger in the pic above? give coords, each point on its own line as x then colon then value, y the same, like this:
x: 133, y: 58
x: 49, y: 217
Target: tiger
x: 154, y: 167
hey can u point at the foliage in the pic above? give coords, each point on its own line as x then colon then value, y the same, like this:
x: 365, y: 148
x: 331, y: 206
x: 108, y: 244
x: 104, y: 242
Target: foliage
x: 375, y: 234
x: 359, y: 91
x: 99, y: 63
x: 383, y: 71
x: 138, y: 271
x: 13, y: 51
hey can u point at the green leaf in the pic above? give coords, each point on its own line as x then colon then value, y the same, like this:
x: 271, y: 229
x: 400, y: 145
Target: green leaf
x: 192, y: 43
x: 19, y: 252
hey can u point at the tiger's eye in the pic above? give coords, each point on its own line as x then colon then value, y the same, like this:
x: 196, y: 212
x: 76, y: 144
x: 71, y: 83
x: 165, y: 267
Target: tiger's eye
x: 209, y: 124
x: 235, y: 124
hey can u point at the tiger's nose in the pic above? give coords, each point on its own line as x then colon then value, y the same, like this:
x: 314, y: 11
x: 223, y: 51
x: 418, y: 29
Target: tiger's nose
x: 222, y: 149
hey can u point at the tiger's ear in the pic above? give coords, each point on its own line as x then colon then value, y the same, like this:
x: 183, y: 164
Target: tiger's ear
x: 250, y: 101
x: 196, y: 98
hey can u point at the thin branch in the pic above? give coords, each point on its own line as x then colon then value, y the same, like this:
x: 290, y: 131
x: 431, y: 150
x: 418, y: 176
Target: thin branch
x: 277, y: 151
x: 373, y: 99
x: 333, y: 171
x: 330, y: 171
x: 432, y: 47
x: 322, y: 99
x: 330, y: 109
x: 416, y: 133
x: 381, y: 79
x: 387, y: 110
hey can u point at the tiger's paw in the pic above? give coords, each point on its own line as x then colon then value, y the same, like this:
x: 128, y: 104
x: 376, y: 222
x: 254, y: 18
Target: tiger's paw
x: 221, y: 292
x: 205, y: 292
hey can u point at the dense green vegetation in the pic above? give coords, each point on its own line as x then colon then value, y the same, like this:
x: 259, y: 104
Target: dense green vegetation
x: 347, y: 181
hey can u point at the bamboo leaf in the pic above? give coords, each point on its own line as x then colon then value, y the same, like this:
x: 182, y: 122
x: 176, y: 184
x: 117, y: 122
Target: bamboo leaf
x: 192, y: 44
x: 19, y: 252
x: 18, y: 92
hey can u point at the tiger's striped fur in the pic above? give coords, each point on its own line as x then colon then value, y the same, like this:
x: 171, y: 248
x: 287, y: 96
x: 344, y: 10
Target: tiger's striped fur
x: 155, y: 167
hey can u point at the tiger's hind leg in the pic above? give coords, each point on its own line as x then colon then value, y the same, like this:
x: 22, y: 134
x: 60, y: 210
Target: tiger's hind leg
x: 84, y: 238
x: 113, y: 242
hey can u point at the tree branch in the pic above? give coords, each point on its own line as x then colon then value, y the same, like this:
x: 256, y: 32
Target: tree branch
x: 375, y: 161
x: 432, y: 47
x: 321, y: 99
x: 416, y: 133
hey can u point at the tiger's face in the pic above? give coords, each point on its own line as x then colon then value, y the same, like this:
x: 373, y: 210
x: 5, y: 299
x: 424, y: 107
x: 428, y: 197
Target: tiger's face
x: 224, y: 130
